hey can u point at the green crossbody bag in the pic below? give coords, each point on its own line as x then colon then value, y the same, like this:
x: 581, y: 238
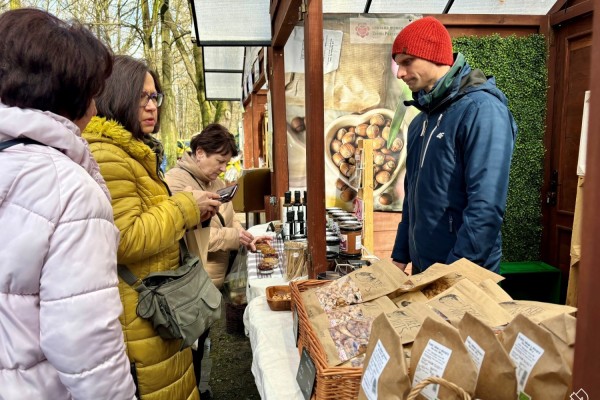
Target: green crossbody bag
x: 181, y: 303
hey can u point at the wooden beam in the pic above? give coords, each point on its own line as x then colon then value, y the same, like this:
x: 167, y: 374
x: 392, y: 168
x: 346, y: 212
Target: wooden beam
x: 572, y: 12
x: 280, y: 179
x: 287, y: 15
x: 488, y: 19
x: 315, y: 140
x: 587, y: 345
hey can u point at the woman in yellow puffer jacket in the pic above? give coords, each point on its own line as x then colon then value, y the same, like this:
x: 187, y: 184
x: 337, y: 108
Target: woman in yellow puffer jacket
x: 151, y: 221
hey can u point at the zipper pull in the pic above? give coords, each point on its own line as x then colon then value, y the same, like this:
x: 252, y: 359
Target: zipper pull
x: 424, y: 127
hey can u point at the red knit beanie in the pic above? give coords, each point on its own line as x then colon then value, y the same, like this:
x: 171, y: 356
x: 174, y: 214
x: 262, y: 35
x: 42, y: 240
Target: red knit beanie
x: 425, y: 38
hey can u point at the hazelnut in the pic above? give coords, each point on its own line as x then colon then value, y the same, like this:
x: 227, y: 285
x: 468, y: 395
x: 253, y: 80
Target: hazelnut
x: 298, y: 124
x: 385, y: 132
x: 376, y: 169
x: 389, y: 165
x: 347, y: 169
x: 352, y: 160
x: 383, y: 177
x: 361, y: 130
x: 337, y: 159
x: 340, y: 184
x: 340, y: 133
x: 379, y: 143
x: 397, y: 145
x: 348, y: 194
x: 347, y: 150
x: 352, y: 129
x: 377, y: 119
x: 388, y: 122
x: 386, y: 151
x: 378, y: 158
x: 348, y: 137
x: 385, y: 199
x: 335, y: 146
x: 373, y: 131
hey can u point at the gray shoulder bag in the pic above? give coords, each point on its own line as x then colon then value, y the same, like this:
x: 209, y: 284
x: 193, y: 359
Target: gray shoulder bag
x: 181, y: 303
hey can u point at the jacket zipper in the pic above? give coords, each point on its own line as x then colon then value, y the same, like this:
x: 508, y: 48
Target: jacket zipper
x: 450, y: 221
x: 424, y: 152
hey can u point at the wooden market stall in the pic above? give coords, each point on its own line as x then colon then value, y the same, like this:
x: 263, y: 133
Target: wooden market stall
x: 286, y: 13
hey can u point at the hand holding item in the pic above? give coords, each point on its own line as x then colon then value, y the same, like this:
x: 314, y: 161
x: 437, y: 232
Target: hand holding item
x: 246, y: 238
x: 260, y: 240
x: 208, y: 202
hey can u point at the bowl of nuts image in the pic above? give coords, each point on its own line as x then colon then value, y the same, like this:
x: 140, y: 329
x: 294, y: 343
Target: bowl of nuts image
x: 341, y: 140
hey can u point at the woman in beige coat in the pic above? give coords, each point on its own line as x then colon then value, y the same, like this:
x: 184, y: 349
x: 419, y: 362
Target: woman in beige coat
x: 211, y: 151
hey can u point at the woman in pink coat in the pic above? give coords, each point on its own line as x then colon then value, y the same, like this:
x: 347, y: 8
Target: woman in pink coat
x: 59, y: 304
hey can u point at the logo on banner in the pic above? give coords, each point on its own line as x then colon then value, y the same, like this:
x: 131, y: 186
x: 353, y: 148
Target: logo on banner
x: 362, y: 30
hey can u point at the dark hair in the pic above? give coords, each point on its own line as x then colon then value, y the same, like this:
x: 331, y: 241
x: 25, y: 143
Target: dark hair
x: 214, y: 139
x: 121, y: 98
x: 49, y: 64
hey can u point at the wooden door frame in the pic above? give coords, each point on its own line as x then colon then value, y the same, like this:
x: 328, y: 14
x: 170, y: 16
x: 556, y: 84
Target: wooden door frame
x: 558, y: 16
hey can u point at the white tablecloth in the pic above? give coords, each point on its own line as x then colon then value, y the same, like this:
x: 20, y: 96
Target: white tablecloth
x: 275, y: 357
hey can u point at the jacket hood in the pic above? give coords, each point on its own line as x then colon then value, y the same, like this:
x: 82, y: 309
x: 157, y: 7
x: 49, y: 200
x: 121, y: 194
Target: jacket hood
x: 110, y: 131
x: 52, y: 130
x: 457, y: 82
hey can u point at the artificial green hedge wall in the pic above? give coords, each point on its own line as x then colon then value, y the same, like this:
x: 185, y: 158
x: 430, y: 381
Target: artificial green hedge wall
x: 519, y: 65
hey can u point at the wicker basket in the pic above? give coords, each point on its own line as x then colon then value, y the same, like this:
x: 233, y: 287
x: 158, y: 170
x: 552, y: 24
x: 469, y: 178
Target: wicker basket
x: 234, y: 318
x: 335, y: 383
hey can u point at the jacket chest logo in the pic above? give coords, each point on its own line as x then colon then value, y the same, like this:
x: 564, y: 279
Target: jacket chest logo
x: 440, y: 135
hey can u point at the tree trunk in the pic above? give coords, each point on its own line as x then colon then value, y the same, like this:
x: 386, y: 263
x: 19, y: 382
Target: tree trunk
x: 167, y: 117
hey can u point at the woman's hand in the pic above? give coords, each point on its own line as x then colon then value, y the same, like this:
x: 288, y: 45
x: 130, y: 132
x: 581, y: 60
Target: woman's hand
x: 259, y: 239
x: 208, y: 202
x: 245, y: 238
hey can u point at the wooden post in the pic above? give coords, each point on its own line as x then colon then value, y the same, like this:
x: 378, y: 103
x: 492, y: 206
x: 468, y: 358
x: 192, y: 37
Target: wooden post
x: 315, y: 141
x: 366, y: 194
x: 280, y: 180
x: 587, y: 345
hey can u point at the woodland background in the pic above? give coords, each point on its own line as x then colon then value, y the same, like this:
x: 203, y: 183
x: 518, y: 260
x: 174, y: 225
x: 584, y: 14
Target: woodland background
x: 158, y: 31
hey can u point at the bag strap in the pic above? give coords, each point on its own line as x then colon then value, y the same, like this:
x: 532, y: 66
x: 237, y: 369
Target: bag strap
x: 132, y: 280
x: 22, y: 140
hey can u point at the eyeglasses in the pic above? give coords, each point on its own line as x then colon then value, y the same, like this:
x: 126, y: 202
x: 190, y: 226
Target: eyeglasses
x: 157, y: 99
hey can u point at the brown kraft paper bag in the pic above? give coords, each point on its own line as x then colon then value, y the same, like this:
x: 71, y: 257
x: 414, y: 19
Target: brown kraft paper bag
x: 362, y: 285
x: 464, y: 297
x: 344, y: 331
x: 496, y: 379
x: 542, y: 374
x: 438, y: 350
x: 385, y: 373
x: 409, y: 297
x: 494, y: 290
x: 536, y: 310
x: 562, y: 327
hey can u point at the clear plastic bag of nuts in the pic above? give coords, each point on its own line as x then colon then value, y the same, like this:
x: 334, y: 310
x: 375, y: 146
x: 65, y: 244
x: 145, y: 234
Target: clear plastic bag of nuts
x: 295, y: 259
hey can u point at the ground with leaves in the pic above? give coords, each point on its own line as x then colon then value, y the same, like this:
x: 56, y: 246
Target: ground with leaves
x: 231, y: 355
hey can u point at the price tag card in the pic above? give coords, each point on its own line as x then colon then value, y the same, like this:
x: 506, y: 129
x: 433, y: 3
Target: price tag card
x: 306, y: 375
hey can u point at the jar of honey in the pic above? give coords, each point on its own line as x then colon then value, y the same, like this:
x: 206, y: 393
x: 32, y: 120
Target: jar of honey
x: 350, y: 239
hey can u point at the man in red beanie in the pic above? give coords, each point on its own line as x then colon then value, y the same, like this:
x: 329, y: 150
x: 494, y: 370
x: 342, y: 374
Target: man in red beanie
x: 459, y: 152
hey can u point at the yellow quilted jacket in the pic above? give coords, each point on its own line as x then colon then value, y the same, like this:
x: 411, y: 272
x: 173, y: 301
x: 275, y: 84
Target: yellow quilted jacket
x: 151, y: 222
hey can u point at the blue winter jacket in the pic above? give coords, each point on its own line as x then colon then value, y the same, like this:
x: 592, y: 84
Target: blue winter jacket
x: 459, y: 152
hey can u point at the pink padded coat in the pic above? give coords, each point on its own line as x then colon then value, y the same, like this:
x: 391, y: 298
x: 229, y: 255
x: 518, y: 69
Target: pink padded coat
x: 60, y: 336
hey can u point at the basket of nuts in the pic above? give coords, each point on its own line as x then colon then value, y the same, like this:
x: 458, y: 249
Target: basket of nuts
x: 389, y: 156
x: 279, y: 298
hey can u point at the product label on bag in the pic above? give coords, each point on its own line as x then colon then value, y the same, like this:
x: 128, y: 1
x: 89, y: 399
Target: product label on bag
x: 378, y: 361
x: 476, y: 352
x: 525, y: 353
x: 433, y: 362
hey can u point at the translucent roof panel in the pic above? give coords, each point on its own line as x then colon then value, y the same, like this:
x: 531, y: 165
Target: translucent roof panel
x: 408, y: 7
x: 223, y: 85
x: 528, y: 7
x: 223, y: 58
x: 233, y: 22
x: 344, y: 6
